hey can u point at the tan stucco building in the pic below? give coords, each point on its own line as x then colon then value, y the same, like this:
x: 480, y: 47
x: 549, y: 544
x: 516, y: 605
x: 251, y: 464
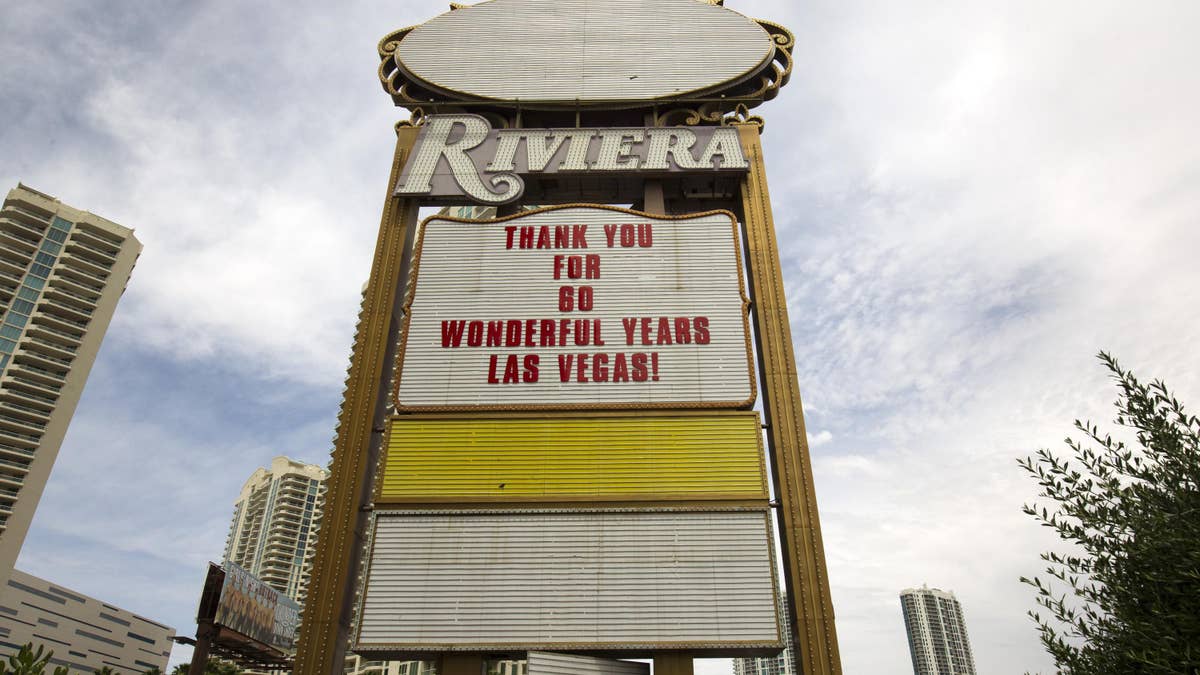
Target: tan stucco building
x: 62, y: 272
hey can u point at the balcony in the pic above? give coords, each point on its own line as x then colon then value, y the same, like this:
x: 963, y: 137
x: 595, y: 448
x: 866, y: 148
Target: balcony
x: 14, y: 255
x: 35, y: 372
x: 11, y: 435
x: 49, y: 346
x: 72, y: 338
x: 12, y: 482
x: 57, y: 286
x: 21, y: 424
x: 84, y: 265
x: 105, y: 238
x: 44, y: 360
x: 99, y: 256
x: 17, y: 454
x: 10, y: 269
x: 19, y: 239
x: 76, y: 280
x: 18, y: 382
x: 58, y: 320
x: 28, y: 397
x: 24, y: 216
x: 35, y: 415
x: 64, y: 307
x: 21, y: 467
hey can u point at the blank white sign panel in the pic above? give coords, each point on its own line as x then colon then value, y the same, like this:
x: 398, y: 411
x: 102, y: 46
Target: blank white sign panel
x: 611, y: 580
x: 584, y: 50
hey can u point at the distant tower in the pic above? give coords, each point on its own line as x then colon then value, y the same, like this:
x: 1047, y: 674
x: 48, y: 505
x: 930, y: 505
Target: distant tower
x: 275, y: 521
x: 783, y: 663
x: 937, y: 633
x: 62, y: 271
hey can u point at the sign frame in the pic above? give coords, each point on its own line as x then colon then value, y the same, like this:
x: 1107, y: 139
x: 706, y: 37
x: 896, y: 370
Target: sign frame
x: 516, y: 501
x: 631, y: 648
x: 412, y: 287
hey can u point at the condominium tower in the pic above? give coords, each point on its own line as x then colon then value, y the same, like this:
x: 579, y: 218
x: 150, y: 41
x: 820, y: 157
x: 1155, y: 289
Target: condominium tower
x: 275, y: 520
x: 937, y: 633
x: 783, y: 663
x: 62, y: 272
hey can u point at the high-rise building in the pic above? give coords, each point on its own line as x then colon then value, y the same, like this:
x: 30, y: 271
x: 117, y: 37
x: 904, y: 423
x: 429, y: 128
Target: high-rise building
x: 62, y: 272
x: 275, y: 520
x: 85, y: 634
x: 783, y: 663
x: 937, y: 633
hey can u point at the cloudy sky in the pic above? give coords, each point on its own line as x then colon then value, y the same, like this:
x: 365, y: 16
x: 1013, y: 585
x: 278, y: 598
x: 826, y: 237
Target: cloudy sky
x: 972, y: 198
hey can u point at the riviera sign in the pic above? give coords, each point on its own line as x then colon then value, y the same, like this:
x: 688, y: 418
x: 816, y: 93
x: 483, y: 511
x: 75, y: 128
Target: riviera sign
x: 461, y: 155
x: 577, y: 306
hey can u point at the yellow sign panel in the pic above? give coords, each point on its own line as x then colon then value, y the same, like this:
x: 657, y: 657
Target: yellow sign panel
x: 595, y: 457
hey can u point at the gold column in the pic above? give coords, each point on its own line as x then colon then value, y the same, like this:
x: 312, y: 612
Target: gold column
x: 673, y: 663
x: 325, y: 628
x: 453, y: 663
x: 805, y: 574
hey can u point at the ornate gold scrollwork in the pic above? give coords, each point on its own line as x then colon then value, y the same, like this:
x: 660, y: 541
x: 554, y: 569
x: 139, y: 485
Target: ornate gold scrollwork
x: 416, y: 119
x: 741, y: 115
x: 706, y: 113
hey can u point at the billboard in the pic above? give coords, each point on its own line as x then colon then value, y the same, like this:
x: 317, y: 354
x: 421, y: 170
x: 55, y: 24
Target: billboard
x: 600, y: 580
x: 250, y: 607
x: 576, y: 306
x: 596, y: 457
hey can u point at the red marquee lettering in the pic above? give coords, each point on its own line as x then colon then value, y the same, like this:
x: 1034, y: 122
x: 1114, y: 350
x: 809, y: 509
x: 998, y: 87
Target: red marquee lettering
x: 683, y: 330
x: 452, y: 332
x: 531, y: 369
x: 640, y: 374
x: 664, y: 331
x: 620, y: 368
x: 599, y: 371
x: 702, y: 336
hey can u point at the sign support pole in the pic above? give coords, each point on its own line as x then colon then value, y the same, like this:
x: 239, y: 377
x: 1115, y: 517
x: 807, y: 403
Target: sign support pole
x: 805, y: 575
x: 452, y: 663
x: 325, y: 625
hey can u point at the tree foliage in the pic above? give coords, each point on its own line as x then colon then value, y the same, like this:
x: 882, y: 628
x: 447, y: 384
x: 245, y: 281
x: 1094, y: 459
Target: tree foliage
x: 28, y: 661
x: 1126, y: 597
x: 213, y: 666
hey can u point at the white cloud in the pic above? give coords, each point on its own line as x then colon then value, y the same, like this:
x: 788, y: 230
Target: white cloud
x: 820, y: 438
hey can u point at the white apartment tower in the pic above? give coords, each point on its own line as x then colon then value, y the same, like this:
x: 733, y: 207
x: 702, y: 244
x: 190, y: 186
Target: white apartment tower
x: 62, y: 272
x: 275, y: 521
x: 783, y: 663
x: 937, y: 633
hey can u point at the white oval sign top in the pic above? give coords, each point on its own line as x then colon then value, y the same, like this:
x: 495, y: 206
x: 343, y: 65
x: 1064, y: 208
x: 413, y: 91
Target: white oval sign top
x: 588, y: 51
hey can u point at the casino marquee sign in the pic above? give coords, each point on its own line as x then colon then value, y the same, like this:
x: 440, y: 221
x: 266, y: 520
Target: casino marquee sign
x: 461, y: 156
x: 549, y: 440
